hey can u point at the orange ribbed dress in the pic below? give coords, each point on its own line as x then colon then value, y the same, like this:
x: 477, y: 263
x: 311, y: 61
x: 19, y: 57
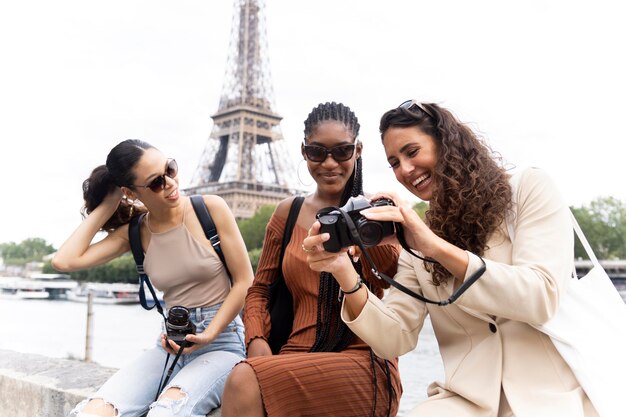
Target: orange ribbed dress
x: 298, y: 383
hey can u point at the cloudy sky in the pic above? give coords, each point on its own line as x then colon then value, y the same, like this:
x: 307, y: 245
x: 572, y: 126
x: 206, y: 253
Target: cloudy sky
x: 543, y: 81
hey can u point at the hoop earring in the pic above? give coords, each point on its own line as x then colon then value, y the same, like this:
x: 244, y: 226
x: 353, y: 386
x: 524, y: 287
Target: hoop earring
x: 130, y: 203
x: 300, y: 178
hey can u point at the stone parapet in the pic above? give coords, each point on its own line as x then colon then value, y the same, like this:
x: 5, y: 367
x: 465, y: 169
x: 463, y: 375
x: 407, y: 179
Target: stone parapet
x: 39, y: 386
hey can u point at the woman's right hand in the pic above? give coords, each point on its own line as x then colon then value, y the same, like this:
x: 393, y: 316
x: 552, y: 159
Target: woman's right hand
x: 259, y: 347
x: 78, y: 252
x: 113, y: 198
x: 416, y: 233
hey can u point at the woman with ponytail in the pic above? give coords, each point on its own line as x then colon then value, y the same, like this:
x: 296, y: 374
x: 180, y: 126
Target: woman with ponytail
x: 137, y: 178
x: 323, y: 369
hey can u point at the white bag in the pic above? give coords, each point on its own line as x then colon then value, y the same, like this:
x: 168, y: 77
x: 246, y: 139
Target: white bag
x: 589, y: 331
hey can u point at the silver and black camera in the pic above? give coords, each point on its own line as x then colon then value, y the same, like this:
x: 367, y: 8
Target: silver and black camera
x: 178, y: 325
x: 370, y: 232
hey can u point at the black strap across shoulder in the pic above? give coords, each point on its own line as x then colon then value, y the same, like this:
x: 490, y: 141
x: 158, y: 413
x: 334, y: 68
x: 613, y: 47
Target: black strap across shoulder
x: 134, y: 237
x: 289, y: 225
x: 208, y: 225
x: 280, y: 302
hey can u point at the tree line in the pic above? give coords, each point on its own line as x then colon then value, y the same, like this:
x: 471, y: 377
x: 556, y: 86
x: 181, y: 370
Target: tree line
x: 603, y: 222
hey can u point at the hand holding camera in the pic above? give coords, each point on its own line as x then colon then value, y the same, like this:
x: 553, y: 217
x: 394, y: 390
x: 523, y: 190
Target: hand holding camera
x: 178, y: 326
x: 347, y: 226
x: 415, y: 233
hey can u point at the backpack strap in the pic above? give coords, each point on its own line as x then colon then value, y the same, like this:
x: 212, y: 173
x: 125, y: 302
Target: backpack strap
x: 210, y: 231
x: 134, y: 237
x: 280, y: 301
x: 291, y: 222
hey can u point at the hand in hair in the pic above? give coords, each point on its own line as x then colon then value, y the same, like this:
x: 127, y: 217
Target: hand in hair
x: 114, y: 197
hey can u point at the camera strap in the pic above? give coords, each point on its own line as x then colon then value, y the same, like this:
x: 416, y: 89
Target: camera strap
x: 163, y: 383
x: 354, y: 233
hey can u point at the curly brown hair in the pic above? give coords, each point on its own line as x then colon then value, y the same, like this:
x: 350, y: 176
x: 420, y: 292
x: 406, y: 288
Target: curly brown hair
x: 471, y: 193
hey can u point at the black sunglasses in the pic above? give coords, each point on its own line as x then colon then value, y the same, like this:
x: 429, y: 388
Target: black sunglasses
x: 158, y: 184
x: 339, y: 153
x: 412, y: 105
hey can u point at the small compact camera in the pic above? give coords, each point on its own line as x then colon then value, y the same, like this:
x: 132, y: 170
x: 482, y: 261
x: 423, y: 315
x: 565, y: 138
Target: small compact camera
x: 178, y: 326
x: 371, y: 232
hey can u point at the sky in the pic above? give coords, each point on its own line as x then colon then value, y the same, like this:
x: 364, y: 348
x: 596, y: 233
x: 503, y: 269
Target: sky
x: 542, y: 81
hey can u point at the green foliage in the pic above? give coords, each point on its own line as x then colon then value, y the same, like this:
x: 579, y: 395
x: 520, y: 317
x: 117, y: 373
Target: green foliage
x: 254, y: 256
x: 421, y: 208
x: 253, y: 229
x: 31, y: 249
x: 120, y: 269
x: 604, y: 223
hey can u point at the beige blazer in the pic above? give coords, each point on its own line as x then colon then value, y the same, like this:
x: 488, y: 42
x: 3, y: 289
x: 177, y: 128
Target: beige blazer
x: 495, y: 363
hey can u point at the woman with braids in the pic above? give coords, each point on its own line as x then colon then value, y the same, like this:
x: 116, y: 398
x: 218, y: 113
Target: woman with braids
x: 492, y: 287
x: 181, y: 262
x: 323, y: 369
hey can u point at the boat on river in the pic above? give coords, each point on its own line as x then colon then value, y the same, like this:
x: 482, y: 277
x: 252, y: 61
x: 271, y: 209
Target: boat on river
x: 37, y: 286
x: 103, y: 293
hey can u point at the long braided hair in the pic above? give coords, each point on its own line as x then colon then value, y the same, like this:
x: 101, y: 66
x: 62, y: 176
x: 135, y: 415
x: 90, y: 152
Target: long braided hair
x: 331, y: 333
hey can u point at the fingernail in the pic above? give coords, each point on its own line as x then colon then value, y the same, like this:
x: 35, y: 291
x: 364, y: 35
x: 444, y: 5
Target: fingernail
x: 325, y: 236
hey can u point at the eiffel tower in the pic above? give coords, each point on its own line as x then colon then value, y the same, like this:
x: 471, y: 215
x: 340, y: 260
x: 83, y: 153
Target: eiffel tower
x: 245, y: 160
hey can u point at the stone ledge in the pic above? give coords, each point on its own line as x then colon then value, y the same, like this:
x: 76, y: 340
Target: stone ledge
x: 34, y: 385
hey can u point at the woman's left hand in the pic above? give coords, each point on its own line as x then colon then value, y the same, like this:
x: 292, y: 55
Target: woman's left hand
x: 198, y: 340
x: 338, y: 264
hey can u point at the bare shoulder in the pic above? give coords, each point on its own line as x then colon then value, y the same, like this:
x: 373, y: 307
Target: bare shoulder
x: 217, y: 207
x: 282, y: 209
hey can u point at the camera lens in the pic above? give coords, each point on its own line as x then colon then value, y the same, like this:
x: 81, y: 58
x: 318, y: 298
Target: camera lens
x: 371, y: 233
x: 178, y: 316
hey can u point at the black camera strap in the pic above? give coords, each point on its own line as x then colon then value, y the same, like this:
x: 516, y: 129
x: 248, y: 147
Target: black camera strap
x: 354, y: 233
x: 163, y: 383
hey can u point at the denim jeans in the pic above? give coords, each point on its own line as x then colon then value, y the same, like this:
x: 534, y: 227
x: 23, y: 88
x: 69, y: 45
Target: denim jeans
x: 200, y: 376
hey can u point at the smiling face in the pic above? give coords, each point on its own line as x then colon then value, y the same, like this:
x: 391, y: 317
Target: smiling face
x: 412, y: 155
x: 330, y: 175
x: 151, y: 165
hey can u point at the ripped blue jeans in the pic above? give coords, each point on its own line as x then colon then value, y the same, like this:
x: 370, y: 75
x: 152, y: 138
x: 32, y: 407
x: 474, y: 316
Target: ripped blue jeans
x: 200, y: 376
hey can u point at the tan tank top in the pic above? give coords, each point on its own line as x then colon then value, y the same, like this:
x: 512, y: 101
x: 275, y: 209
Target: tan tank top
x: 189, y: 273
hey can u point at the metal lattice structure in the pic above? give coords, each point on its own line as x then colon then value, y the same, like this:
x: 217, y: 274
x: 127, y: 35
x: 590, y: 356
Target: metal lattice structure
x: 245, y: 160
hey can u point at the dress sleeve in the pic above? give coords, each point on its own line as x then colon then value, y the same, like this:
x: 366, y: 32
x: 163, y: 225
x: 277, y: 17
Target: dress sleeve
x: 256, y: 315
x: 528, y: 289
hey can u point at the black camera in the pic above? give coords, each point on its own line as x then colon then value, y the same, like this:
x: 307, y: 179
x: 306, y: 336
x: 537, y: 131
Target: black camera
x: 371, y: 232
x: 178, y: 326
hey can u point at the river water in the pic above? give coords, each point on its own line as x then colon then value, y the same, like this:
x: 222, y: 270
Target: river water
x: 122, y: 332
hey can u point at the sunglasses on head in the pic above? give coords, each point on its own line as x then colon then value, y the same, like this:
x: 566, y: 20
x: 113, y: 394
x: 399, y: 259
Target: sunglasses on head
x: 158, y: 184
x: 339, y: 153
x: 412, y: 105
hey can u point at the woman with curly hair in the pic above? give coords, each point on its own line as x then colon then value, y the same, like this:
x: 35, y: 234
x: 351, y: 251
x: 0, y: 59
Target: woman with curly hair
x: 483, y: 293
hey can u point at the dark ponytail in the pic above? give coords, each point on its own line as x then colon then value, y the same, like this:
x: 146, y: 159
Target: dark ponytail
x: 118, y: 172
